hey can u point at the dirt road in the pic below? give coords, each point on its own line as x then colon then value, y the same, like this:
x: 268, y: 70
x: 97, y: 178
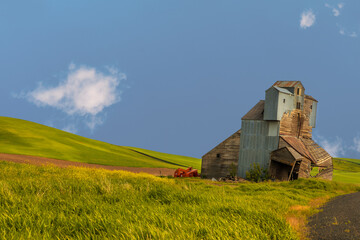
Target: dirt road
x: 339, y: 219
x: 62, y: 163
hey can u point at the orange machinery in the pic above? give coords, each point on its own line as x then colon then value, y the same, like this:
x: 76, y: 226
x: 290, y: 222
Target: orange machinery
x: 190, y: 172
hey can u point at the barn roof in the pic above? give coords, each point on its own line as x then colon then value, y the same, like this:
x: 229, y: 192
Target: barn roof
x: 310, y: 97
x: 277, y: 155
x: 321, y: 157
x: 287, y: 83
x: 299, y: 146
x: 256, y: 113
x: 283, y: 90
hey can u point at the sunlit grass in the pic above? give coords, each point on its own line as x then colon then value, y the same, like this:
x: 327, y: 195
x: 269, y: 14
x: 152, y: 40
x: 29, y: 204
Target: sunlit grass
x: 49, y: 202
x: 28, y: 138
x: 346, y: 170
x: 346, y: 177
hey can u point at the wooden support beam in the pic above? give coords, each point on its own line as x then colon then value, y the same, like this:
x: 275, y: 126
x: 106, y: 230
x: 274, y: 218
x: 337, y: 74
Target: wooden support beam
x: 292, y: 169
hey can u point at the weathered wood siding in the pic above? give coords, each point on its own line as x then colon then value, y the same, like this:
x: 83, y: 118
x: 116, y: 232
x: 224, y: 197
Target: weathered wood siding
x: 305, y: 168
x: 295, y: 123
x: 325, y: 173
x: 285, y: 119
x: 279, y: 171
x: 282, y: 143
x: 310, y: 108
x: 221, y: 159
x: 283, y: 156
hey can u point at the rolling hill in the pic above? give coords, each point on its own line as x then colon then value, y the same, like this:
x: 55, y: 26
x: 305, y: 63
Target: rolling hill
x: 28, y: 138
x: 346, y: 170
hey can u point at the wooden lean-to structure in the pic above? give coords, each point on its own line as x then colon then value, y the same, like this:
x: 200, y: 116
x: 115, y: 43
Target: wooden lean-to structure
x: 276, y: 134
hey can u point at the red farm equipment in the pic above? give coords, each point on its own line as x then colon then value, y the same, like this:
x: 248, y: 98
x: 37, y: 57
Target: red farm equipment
x: 190, y: 172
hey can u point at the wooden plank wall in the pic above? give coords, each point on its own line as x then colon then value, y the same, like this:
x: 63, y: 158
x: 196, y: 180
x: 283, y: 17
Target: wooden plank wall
x: 279, y: 171
x: 326, y: 173
x: 216, y: 167
x: 294, y: 121
x: 305, y: 168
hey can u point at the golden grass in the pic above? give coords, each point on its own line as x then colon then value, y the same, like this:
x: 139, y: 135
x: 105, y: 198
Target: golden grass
x: 42, y: 202
x: 298, y: 214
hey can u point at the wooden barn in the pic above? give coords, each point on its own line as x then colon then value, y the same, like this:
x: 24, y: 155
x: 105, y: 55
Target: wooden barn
x: 276, y: 134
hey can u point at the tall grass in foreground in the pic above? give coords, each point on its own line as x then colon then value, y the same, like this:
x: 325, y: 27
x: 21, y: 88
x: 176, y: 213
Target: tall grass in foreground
x: 49, y: 202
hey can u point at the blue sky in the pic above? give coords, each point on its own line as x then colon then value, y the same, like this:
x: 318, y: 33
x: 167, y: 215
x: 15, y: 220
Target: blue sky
x: 177, y: 76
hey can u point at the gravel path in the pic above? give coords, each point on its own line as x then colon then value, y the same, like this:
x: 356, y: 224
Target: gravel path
x: 339, y: 219
x: 62, y: 163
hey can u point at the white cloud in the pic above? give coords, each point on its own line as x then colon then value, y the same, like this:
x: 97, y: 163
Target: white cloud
x: 335, y: 148
x: 94, y: 121
x: 343, y: 32
x: 72, y: 66
x: 356, y: 144
x: 353, y: 34
x: 70, y: 128
x: 85, y: 91
x: 336, y: 11
x: 307, y: 19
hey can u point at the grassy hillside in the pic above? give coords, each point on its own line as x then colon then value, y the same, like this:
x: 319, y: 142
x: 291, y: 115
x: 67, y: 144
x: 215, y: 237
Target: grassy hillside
x: 78, y: 203
x: 28, y: 138
x: 346, y: 170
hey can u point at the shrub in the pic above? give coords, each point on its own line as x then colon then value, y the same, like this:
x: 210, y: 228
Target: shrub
x: 233, y: 170
x: 257, y: 173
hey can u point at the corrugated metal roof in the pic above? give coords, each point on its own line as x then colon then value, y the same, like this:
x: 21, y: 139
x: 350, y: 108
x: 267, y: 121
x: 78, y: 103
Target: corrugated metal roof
x: 299, y: 146
x: 319, y: 154
x: 283, y: 90
x: 286, y: 83
x: 310, y: 97
x: 256, y: 113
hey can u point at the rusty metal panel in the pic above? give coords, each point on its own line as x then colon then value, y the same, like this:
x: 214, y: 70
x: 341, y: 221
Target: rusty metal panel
x: 255, y: 145
x: 287, y: 83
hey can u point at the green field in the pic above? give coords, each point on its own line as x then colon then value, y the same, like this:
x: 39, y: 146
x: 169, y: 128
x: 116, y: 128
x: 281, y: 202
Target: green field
x: 346, y: 170
x: 43, y: 202
x: 28, y: 138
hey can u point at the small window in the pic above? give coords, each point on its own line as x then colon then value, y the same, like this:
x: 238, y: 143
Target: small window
x: 298, y: 105
x: 284, y: 100
x: 218, y: 155
x: 310, y: 106
x: 298, y: 91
